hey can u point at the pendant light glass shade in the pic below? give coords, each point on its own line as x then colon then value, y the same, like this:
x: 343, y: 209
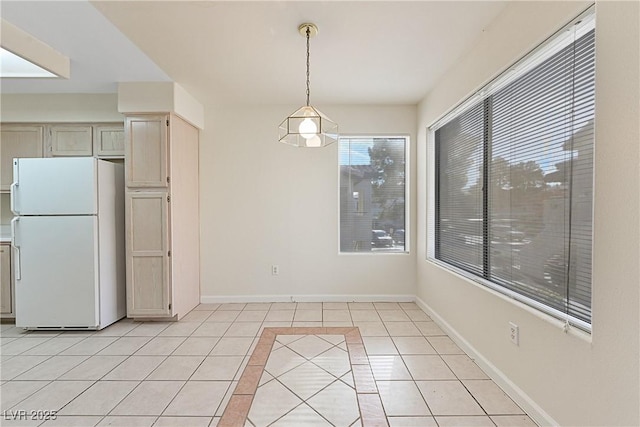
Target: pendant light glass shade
x: 308, y: 127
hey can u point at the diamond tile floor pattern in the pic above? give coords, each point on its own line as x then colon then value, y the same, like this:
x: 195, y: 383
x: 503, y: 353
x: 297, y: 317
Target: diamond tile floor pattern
x: 308, y: 394
x: 255, y: 364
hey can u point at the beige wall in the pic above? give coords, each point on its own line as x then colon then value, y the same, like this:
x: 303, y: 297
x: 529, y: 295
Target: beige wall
x: 67, y: 107
x: 265, y: 203
x: 570, y: 379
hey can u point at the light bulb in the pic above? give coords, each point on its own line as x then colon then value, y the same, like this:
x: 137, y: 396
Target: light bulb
x: 308, y: 128
x: 315, y: 141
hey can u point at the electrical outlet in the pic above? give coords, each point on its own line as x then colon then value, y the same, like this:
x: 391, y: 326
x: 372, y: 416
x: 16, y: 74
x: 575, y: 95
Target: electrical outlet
x: 275, y: 270
x: 514, y: 333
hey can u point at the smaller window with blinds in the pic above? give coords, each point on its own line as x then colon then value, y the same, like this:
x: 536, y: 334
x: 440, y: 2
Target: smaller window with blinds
x: 372, y: 194
x: 514, y: 179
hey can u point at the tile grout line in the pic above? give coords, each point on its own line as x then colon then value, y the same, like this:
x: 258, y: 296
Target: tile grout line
x: 237, y: 411
x: 423, y: 326
x: 336, y: 380
x: 370, y: 405
x: 307, y: 360
x: 406, y: 367
x: 116, y: 366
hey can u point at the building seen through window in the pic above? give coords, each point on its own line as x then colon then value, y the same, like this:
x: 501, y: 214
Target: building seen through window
x: 372, y: 194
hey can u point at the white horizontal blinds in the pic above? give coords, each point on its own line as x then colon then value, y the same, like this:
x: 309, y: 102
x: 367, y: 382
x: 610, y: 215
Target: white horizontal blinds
x: 514, y: 178
x: 540, y: 175
x: 372, y: 194
x: 581, y: 145
x: 459, y: 177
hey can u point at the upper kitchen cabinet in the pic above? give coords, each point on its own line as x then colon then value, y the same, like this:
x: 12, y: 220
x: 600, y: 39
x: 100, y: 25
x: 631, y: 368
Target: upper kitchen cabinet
x: 108, y: 141
x: 18, y: 141
x: 146, y: 151
x: 71, y: 140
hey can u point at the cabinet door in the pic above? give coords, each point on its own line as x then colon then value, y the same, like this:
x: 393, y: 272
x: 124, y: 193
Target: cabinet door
x: 148, y: 287
x: 71, y: 140
x: 146, y: 151
x: 18, y: 141
x: 108, y: 141
x: 6, y: 296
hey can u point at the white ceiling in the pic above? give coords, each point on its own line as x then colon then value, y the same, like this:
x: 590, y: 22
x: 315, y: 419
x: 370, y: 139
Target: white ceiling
x: 100, y: 54
x: 366, y: 52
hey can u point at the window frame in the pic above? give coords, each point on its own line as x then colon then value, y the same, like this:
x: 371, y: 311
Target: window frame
x: 538, y: 55
x: 407, y: 202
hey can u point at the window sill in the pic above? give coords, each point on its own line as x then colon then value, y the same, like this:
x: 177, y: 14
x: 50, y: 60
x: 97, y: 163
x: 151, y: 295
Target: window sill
x: 538, y: 310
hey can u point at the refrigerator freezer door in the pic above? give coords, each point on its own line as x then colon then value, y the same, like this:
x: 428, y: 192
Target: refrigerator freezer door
x: 55, y: 186
x: 58, y: 272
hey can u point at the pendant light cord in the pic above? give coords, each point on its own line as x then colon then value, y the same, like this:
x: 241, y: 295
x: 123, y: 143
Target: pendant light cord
x: 308, y: 91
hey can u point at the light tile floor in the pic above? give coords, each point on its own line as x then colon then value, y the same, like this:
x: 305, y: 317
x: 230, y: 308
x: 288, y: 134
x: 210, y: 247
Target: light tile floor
x: 184, y: 373
x: 300, y: 376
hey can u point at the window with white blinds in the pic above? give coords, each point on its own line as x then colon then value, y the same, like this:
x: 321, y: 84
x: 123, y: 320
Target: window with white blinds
x: 459, y: 214
x: 372, y: 194
x: 514, y: 179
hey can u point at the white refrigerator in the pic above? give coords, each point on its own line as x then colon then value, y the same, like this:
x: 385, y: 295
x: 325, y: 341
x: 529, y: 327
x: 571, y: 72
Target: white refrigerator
x: 68, y: 239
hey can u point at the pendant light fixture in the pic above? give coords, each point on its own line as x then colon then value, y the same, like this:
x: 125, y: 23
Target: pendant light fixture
x: 308, y: 127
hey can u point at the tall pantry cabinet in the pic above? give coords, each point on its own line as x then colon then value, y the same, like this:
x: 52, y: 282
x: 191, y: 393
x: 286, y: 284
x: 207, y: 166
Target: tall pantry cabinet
x: 162, y: 220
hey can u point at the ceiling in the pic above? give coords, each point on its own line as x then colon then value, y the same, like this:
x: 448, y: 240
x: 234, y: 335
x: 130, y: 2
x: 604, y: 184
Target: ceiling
x: 242, y: 52
x: 100, y: 54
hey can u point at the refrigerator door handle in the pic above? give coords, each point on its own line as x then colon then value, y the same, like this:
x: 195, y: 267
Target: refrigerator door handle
x: 12, y: 198
x: 14, y: 240
x: 14, y: 185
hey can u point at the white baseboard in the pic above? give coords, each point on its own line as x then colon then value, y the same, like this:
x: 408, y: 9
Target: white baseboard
x: 540, y: 416
x: 209, y: 299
